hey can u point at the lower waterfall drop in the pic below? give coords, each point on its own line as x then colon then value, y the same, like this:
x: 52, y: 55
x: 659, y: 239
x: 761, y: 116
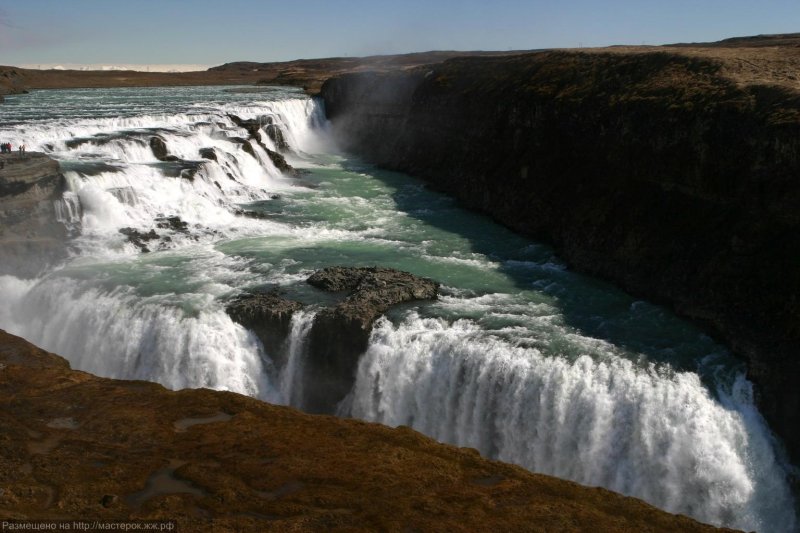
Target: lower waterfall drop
x: 647, y: 432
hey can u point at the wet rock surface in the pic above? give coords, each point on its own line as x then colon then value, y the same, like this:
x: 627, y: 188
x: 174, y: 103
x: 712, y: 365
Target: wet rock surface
x: 172, y: 223
x: 268, y: 315
x: 245, y: 144
x: 252, y: 125
x: 208, y: 153
x: 254, y: 129
x: 179, y: 168
x: 159, y: 148
x: 275, y: 133
x: 280, y: 162
x: 140, y: 238
x: 340, y: 334
x: 218, y: 461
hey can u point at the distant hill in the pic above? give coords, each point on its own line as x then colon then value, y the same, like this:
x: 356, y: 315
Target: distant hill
x: 755, y: 41
x: 738, y: 52
x: 311, y: 73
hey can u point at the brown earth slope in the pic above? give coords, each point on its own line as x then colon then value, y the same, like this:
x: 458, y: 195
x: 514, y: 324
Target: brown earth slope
x: 75, y: 446
x: 306, y: 73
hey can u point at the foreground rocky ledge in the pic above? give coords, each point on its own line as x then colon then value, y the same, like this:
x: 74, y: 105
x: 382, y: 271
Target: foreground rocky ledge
x: 75, y: 446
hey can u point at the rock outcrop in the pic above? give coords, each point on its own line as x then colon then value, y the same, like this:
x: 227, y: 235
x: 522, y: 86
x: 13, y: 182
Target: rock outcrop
x: 673, y: 173
x: 340, y: 334
x: 11, y: 82
x: 159, y: 148
x: 268, y: 315
x: 280, y: 162
x: 183, y: 168
x: 208, y: 153
x: 31, y: 237
x: 140, y: 238
x: 254, y: 129
x: 75, y: 446
x: 275, y: 133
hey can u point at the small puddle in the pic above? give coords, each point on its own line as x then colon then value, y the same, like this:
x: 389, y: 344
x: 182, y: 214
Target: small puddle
x: 45, y: 446
x: 164, y: 482
x: 185, y: 423
x: 63, y: 423
x: 49, y: 497
x: 280, y: 492
x: 258, y: 516
x: 488, y: 481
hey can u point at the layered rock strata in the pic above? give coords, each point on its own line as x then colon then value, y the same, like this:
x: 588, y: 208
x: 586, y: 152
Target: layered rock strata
x: 31, y: 236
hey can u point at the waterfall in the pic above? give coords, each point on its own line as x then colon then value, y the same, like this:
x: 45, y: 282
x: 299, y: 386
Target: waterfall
x: 648, y: 432
x: 108, y: 311
x: 291, y: 384
x: 114, y: 180
x: 493, y: 365
x: 119, y: 334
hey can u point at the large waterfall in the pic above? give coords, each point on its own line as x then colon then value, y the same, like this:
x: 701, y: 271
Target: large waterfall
x: 652, y: 432
x: 520, y: 358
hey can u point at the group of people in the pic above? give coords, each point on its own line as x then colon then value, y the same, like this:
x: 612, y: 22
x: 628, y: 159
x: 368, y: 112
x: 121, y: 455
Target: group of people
x: 5, y: 148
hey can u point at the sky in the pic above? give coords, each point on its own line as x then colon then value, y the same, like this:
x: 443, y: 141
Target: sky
x: 204, y: 32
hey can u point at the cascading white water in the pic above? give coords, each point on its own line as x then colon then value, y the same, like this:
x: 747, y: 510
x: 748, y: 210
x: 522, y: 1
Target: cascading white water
x: 114, y: 181
x: 208, y: 200
x: 503, y: 374
x: 291, y: 383
x: 649, y: 432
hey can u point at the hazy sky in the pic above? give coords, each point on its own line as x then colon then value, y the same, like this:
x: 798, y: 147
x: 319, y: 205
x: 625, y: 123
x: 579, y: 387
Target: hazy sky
x: 211, y: 33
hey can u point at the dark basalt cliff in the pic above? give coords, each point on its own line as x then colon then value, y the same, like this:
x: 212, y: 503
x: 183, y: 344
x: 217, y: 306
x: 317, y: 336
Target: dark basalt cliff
x: 31, y: 237
x: 675, y: 174
x: 339, y: 333
x: 75, y: 446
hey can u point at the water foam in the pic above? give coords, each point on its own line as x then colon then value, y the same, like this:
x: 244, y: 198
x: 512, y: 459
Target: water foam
x: 649, y: 432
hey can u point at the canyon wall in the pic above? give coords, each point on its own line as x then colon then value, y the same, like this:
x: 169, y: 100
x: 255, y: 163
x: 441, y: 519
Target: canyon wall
x: 657, y: 170
x: 31, y: 237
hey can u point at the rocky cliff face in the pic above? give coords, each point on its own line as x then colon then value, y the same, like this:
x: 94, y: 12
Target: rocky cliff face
x: 31, y: 237
x: 339, y: 333
x: 675, y: 174
x: 77, y: 447
x: 11, y: 82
